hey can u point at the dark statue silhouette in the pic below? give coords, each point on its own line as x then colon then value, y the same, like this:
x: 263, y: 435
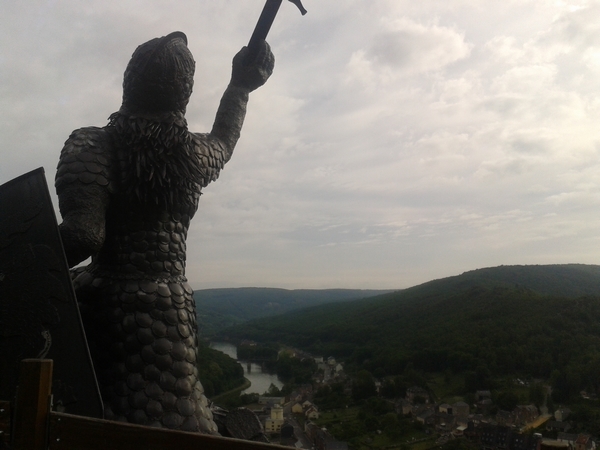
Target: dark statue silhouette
x: 127, y: 193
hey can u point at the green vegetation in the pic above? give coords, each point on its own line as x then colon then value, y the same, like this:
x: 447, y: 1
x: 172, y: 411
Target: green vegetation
x: 525, y: 321
x: 263, y: 352
x: 371, y: 425
x: 292, y: 370
x: 218, y: 372
x: 221, y: 308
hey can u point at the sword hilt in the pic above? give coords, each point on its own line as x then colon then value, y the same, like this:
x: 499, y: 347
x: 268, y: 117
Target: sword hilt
x: 263, y: 26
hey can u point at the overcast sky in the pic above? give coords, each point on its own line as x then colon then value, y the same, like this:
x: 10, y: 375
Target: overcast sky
x: 396, y: 142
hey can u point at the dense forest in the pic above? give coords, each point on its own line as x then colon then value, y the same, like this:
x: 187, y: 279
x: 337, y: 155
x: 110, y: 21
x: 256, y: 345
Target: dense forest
x: 217, y: 371
x: 531, y: 321
x: 220, y: 308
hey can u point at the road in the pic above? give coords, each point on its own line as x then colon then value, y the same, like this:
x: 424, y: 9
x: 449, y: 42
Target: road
x: 537, y: 422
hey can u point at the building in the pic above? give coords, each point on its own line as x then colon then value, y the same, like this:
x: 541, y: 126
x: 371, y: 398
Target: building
x: 321, y: 439
x: 561, y: 414
x: 460, y: 409
x: 445, y: 408
x: 497, y: 437
x: 577, y: 441
x: 311, y: 412
x: 274, y: 423
x: 416, y: 392
x: 271, y: 400
x: 297, y: 409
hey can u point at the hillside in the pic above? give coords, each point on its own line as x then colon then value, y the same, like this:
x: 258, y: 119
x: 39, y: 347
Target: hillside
x: 528, y: 320
x: 221, y: 308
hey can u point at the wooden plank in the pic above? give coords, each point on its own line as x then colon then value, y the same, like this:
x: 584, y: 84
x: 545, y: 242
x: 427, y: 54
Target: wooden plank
x: 32, y: 405
x: 4, y: 423
x: 69, y: 432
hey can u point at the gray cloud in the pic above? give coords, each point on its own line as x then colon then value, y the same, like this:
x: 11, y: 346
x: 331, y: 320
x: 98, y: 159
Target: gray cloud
x: 396, y: 142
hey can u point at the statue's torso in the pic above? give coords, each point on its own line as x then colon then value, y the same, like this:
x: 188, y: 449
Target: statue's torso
x: 138, y: 309
x: 144, y: 242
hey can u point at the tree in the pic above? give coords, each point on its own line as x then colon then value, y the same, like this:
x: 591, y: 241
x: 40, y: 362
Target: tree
x: 507, y: 400
x: 273, y: 391
x: 459, y: 444
x: 537, y: 394
x: 363, y: 386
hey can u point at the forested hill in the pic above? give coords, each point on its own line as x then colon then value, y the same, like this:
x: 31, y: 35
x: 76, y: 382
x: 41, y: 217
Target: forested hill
x: 566, y: 280
x: 505, y: 320
x: 220, y: 308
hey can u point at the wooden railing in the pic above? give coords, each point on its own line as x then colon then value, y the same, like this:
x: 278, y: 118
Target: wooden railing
x: 37, y: 427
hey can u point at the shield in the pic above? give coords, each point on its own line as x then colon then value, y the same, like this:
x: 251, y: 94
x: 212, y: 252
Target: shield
x: 39, y: 317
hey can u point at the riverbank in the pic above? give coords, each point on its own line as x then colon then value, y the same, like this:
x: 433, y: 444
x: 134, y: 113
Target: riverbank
x: 261, y: 381
x: 232, y: 393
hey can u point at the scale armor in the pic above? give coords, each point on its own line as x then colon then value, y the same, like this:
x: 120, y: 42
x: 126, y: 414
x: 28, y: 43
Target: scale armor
x: 136, y: 304
x: 127, y: 193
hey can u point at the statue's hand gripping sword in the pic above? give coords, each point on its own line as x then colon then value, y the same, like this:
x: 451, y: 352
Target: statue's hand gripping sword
x: 264, y: 25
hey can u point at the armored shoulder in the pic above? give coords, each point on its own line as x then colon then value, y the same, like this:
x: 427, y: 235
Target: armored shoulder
x: 86, y: 158
x: 212, y: 155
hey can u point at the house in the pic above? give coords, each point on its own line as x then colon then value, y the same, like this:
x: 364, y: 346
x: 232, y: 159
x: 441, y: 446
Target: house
x: 584, y: 442
x: 417, y: 392
x: 445, y: 408
x: 295, y: 396
x: 459, y: 431
x: 577, y: 441
x: 426, y: 417
x: 301, y: 393
x: 312, y: 412
x: 525, y: 414
x: 460, y: 409
x: 403, y: 407
x: 297, y: 408
x: 561, y: 414
x: 482, y: 395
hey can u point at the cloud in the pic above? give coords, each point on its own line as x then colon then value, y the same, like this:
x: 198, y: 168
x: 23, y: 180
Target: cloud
x: 396, y: 142
x: 403, y: 47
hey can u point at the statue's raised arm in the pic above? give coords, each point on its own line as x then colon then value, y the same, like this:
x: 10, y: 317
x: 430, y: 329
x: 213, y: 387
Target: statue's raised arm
x: 245, y: 78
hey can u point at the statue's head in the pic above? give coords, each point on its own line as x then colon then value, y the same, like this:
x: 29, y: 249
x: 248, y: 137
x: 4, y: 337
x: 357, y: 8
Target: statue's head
x: 160, y: 76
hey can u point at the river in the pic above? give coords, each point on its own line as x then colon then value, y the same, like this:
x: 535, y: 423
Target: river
x: 260, y: 381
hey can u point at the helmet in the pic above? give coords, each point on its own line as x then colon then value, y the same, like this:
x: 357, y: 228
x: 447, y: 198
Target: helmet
x: 159, y: 76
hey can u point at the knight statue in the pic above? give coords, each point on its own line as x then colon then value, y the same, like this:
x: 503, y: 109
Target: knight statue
x: 127, y: 193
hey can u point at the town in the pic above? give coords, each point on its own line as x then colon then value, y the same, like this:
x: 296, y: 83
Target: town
x: 307, y: 417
